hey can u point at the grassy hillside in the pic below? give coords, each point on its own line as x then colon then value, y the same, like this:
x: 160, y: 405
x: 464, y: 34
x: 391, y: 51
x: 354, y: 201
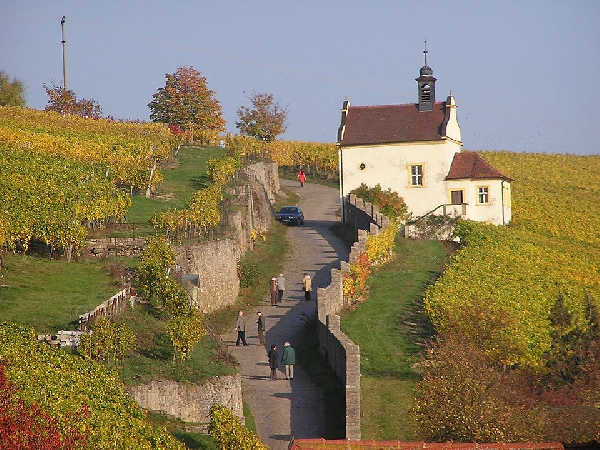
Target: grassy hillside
x: 388, y: 328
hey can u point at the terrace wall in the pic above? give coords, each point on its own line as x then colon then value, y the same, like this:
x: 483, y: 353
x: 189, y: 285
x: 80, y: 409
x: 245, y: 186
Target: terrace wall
x: 342, y: 354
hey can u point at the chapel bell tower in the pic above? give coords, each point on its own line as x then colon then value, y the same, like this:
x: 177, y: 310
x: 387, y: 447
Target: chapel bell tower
x: 426, y: 86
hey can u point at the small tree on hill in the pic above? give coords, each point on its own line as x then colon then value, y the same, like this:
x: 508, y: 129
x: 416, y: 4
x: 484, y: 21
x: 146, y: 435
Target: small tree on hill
x: 465, y: 396
x: 12, y: 92
x: 570, y: 343
x: 64, y: 101
x: 185, y: 332
x: 108, y: 340
x: 154, y: 261
x: 186, y: 101
x: 265, y: 120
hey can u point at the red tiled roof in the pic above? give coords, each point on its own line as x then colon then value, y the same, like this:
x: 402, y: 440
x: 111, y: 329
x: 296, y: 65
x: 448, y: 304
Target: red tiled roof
x: 342, y: 444
x: 469, y: 165
x: 393, y: 123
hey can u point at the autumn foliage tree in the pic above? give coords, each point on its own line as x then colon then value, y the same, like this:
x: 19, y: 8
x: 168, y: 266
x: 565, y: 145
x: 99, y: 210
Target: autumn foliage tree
x: 64, y: 101
x: 186, y: 101
x: 265, y: 120
x: 465, y: 396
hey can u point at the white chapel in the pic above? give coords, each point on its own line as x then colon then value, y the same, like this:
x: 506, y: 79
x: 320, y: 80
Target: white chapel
x: 414, y: 149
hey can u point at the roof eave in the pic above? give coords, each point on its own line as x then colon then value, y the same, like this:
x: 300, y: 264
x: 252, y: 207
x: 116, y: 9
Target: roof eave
x: 435, y: 141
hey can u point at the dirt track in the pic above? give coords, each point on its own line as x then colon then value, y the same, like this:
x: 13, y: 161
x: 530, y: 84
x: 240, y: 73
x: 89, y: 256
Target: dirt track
x: 283, y: 408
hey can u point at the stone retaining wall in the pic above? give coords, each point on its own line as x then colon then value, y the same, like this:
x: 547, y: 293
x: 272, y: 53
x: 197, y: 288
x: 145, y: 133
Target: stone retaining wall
x: 121, y: 247
x: 215, y: 263
x: 191, y: 402
x: 342, y: 354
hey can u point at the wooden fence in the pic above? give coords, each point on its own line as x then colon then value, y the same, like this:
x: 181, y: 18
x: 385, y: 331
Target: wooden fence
x: 109, y: 307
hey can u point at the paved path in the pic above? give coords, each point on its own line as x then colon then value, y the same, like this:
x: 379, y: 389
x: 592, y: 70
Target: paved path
x: 283, y: 408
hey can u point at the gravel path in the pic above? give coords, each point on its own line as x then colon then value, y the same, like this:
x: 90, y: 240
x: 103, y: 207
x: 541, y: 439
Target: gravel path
x: 283, y: 409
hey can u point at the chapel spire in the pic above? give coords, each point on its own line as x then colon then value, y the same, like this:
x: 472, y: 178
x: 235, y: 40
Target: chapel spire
x: 426, y: 85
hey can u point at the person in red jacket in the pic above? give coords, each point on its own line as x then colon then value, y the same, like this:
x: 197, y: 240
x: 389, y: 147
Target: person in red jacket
x: 301, y: 177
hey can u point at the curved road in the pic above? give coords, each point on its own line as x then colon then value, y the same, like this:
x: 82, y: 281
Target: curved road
x: 284, y: 409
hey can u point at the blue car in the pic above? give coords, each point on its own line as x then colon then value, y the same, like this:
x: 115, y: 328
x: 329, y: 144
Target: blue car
x: 291, y: 215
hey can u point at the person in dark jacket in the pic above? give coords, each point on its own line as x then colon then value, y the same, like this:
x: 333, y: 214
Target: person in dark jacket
x: 273, y: 361
x: 289, y: 359
x: 260, y: 322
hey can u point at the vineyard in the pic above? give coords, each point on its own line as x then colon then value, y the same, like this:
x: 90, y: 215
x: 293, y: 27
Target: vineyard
x: 82, y: 396
x: 550, y: 250
x: 62, y: 175
x: 315, y: 158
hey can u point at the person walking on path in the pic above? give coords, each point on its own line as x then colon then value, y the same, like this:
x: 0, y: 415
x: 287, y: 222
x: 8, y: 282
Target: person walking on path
x: 289, y: 359
x: 274, y: 291
x: 281, y: 286
x: 260, y: 322
x: 273, y: 361
x: 301, y: 177
x: 307, y: 286
x: 240, y: 326
x: 295, y: 408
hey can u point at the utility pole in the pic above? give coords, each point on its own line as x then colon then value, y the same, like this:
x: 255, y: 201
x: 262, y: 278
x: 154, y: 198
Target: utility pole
x: 64, y: 52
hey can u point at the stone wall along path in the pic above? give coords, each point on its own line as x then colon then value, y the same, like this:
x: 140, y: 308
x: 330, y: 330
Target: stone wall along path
x: 284, y: 409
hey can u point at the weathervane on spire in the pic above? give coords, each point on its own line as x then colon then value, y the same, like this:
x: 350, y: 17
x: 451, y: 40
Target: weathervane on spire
x: 425, y: 51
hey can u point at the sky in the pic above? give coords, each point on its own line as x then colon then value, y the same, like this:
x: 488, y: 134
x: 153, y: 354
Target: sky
x: 525, y: 73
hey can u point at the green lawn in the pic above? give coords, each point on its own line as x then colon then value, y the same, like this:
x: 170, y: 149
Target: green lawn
x: 182, y: 178
x: 388, y: 328
x: 50, y: 295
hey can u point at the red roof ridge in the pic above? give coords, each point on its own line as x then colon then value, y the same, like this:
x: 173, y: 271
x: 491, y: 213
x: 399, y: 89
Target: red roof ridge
x: 392, y: 105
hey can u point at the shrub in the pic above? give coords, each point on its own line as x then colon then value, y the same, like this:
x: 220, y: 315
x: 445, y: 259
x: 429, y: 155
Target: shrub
x: 248, y: 273
x: 229, y: 433
x: 389, y: 202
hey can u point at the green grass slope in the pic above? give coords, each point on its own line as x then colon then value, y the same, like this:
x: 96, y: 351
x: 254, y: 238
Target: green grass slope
x: 388, y: 327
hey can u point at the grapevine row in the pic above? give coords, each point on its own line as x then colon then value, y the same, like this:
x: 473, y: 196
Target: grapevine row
x: 63, y: 384
x: 52, y: 199
x: 59, y: 174
x: 204, y: 211
x: 320, y: 158
x: 130, y: 150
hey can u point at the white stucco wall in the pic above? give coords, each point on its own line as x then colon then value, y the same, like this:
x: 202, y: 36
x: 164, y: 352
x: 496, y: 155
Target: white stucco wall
x: 388, y: 165
x: 491, y: 212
